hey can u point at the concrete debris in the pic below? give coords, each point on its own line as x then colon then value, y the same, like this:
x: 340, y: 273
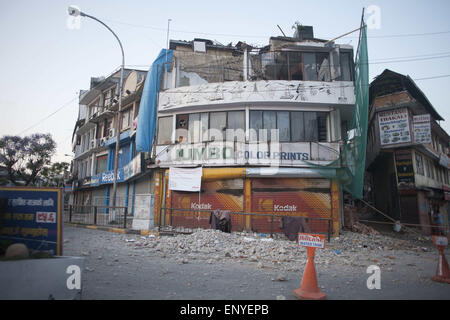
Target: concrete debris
x: 281, y: 255
x: 362, y: 228
x: 281, y: 297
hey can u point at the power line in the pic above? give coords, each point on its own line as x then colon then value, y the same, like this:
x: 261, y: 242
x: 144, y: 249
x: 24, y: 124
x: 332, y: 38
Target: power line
x: 434, y: 77
x: 51, y: 114
x: 260, y: 36
x: 409, y: 60
x: 416, y: 56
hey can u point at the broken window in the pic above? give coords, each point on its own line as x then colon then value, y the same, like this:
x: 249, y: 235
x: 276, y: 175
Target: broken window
x: 323, y: 66
x: 346, y: 66
x: 295, y: 66
x: 309, y: 63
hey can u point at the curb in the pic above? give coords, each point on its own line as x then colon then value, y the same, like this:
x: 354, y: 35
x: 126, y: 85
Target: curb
x: 111, y: 229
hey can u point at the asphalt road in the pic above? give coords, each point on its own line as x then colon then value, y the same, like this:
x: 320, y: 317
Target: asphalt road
x: 116, y: 270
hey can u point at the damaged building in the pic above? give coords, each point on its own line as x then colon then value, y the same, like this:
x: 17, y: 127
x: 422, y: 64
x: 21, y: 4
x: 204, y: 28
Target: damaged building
x: 407, y: 153
x: 255, y: 120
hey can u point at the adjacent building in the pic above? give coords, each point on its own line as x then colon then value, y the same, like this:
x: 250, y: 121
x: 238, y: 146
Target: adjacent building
x: 407, y: 152
x: 94, y: 142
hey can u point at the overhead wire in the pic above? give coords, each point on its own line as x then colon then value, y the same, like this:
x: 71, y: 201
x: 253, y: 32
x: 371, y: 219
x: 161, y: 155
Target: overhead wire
x: 260, y: 36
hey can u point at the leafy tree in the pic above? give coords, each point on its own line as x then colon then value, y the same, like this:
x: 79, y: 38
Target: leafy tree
x: 24, y: 158
x: 54, y: 175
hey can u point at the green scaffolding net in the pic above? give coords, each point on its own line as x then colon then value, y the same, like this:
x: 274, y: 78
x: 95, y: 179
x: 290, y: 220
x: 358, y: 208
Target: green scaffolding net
x: 349, y: 168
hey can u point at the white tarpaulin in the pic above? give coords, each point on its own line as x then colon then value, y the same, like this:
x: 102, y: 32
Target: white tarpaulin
x: 185, y: 179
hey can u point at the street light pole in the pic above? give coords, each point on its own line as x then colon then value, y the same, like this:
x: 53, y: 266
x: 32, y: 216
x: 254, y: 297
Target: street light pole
x: 74, y: 11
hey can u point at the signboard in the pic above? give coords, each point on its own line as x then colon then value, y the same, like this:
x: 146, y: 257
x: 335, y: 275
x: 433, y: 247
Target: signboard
x: 311, y: 240
x: 133, y: 168
x: 405, y: 170
x: 185, y: 179
x: 394, y: 127
x: 444, y: 161
x: 422, y: 128
x: 446, y: 192
x: 216, y: 195
x: 32, y: 216
x: 440, y: 241
x: 108, y: 176
x: 239, y: 153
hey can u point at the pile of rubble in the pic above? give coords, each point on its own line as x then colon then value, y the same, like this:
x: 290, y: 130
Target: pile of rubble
x: 362, y: 228
x: 213, y: 246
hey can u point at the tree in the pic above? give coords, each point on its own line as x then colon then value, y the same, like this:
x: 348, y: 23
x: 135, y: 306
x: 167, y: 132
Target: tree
x: 24, y: 158
x: 53, y: 176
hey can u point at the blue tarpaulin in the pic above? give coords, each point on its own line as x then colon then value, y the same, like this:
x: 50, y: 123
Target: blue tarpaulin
x: 146, y: 123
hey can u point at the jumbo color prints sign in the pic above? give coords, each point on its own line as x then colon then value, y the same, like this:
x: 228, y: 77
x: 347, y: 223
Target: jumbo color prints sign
x: 394, y: 127
x: 32, y: 216
x: 311, y: 240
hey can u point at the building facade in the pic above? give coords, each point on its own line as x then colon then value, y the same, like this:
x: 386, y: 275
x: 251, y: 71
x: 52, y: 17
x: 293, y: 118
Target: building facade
x: 257, y: 121
x: 94, y: 142
x: 407, y: 152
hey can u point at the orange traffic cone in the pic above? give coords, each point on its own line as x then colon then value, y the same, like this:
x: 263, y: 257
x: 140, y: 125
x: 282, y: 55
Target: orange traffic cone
x: 309, y: 288
x: 442, y: 271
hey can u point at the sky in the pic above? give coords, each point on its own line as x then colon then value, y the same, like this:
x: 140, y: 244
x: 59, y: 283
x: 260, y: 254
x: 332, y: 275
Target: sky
x: 45, y: 63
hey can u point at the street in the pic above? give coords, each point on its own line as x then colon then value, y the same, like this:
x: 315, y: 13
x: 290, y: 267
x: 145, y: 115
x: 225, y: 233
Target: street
x: 124, y: 266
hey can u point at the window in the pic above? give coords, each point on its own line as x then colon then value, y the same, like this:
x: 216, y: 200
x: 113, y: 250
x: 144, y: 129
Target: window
x: 427, y: 168
x: 323, y: 67
x: 165, y: 130
x: 346, y: 66
x: 255, y: 125
x: 269, y: 123
x: 100, y: 131
x: 108, y: 97
x: 419, y: 164
x: 194, y: 127
x: 311, y: 133
x: 125, y: 119
x: 431, y: 169
x: 197, y: 127
x: 101, y: 164
x: 297, y: 126
x: 235, y: 126
x: 181, y: 128
x: 283, y: 126
x: 295, y: 65
x: 292, y: 126
x: 217, y: 126
x: 309, y: 62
